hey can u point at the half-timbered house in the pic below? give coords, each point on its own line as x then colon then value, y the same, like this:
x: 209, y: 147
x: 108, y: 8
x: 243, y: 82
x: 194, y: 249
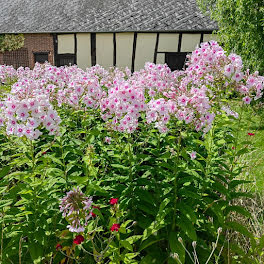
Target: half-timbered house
x: 107, y: 32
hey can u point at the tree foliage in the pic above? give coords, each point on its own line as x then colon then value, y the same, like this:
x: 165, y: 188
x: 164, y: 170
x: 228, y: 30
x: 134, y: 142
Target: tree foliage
x: 9, y: 42
x: 241, y: 28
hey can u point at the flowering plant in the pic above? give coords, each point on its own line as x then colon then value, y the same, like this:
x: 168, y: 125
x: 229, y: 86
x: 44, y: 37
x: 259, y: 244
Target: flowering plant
x: 165, y: 143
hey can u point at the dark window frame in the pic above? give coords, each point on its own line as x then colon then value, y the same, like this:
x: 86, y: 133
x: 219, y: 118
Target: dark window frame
x: 66, y: 56
x: 179, y: 65
x: 46, y: 53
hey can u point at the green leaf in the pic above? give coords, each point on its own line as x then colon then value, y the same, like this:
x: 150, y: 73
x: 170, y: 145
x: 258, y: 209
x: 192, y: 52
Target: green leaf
x: 119, y: 166
x: 187, y: 227
x: 55, y: 172
x: 126, y: 223
x: 24, y: 213
x: 36, y: 252
x: 220, y: 188
x: 239, y: 228
x: 144, y: 195
x: 221, y: 142
x: 78, y: 179
x: 238, y: 209
x: 242, y: 151
x: 235, y: 183
x: 146, y: 208
x: 5, y: 203
x: 54, y: 159
x: 126, y: 245
x: 133, y: 239
x: 4, y: 171
x: 187, y: 211
x: 130, y: 256
x: 186, y: 193
x: 149, y: 242
x: 159, y: 222
x: 98, y: 212
x: 96, y: 188
x: 243, y: 230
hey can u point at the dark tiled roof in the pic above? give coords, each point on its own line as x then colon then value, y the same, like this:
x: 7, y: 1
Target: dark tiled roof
x: 33, y: 16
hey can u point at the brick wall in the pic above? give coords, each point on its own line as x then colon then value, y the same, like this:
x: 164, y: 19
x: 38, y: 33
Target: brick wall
x: 1, y: 58
x: 33, y: 43
x: 39, y: 43
x: 16, y: 58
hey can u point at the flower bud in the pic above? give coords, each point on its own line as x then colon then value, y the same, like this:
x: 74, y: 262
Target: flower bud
x: 174, y: 256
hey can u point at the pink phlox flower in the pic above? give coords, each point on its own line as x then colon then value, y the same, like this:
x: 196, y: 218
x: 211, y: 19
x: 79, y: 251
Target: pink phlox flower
x: 238, y: 76
x: 22, y: 114
x: 193, y: 155
x: 247, y: 100
x: 183, y: 100
x: 76, y: 207
x: 229, y: 70
x: 108, y: 140
x: 251, y: 81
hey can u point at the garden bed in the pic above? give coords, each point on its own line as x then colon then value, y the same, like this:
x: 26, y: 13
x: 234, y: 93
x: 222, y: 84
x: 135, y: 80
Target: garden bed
x: 106, y: 166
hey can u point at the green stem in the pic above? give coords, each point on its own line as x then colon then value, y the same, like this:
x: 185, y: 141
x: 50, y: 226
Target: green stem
x: 32, y: 152
x: 131, y: 178
x: 2, y: 237
x: 210, y: 146
x: 32, y: 156
x: 101, y: 257
x: 130, y: 156
x: 176, y: 172
x: 64, y: 165
x: 236, y: 139
x: 118, y: 238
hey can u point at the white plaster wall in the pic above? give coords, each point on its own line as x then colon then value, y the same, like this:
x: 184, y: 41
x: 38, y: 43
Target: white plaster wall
x: 168, y: 42
x: 145, y: 49
x: 66, y: 43
x: 84, y: 50
x: 189, y: 42
x: 124, y: 49
x: 160, y: 58
x: 104, y: 49
x: 208, y: 37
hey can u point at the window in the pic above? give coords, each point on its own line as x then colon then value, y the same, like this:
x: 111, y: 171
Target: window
x: 41, y: 57
x: 66, y: 59
x: 175, y: 60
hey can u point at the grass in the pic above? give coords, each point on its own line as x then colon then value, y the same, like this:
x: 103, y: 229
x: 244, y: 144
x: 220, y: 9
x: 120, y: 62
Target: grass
x: 252, y: 122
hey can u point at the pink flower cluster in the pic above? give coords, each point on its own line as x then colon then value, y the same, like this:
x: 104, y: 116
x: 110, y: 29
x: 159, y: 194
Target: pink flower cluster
x: 209, y: 65
x: 76, y: 208
x: 26, y: 115
x: 82, y: 90
x: 123, y: 105
x: 7, y: 73
x: 193, y: 95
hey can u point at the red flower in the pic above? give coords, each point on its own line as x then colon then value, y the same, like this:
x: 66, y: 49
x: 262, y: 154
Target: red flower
x: 58, y: 246
x: 113, y: 201
x: 95, y: 207
x: 93, y: 214
x: 233, y: 147
x: 251, y: 134
x: 115, y: 227
x: 78, y: 239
